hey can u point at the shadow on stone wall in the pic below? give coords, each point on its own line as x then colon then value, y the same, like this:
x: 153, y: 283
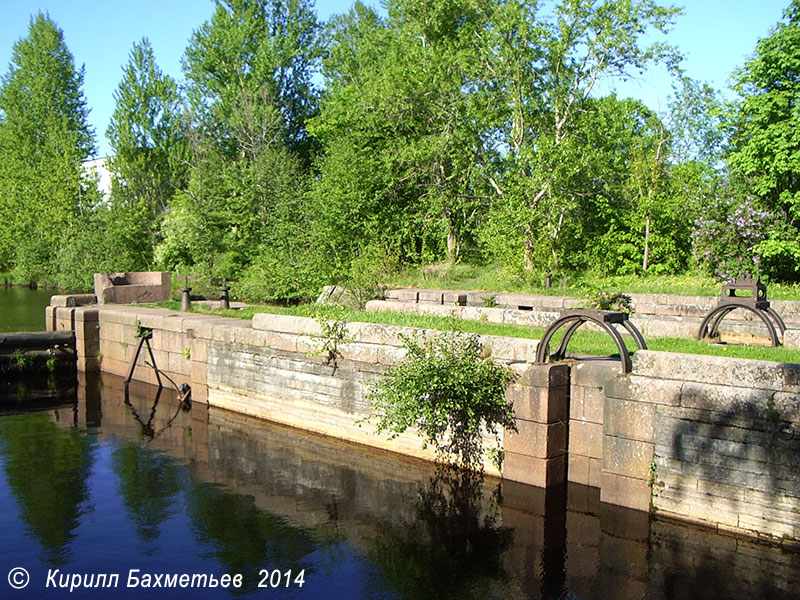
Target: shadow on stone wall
x: 734, y: 465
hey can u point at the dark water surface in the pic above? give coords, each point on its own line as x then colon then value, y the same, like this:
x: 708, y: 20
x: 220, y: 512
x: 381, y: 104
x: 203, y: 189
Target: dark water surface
x: 22, y: 309
x: 96, y: 483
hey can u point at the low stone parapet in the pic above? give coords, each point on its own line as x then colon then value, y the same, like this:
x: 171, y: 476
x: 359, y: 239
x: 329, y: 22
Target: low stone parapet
x: 743, y: 324
x: 656, y: 315
x: 132, y: 287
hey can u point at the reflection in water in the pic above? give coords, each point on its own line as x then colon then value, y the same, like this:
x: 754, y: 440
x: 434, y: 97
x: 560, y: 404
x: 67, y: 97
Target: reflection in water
x: 243, y: 537
x: 453, y: 547
x: 27, y: 394
x: 46, y: 468
x: 148, y: 486
x: 104, y: 486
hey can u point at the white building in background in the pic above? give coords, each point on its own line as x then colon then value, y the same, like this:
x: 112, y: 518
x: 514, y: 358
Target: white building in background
x: 98, y: 167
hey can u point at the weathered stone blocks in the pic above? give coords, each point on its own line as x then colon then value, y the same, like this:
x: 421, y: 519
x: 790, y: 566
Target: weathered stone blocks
x: 127, y: 288
x: 536, y: 454
x: 717, y: 439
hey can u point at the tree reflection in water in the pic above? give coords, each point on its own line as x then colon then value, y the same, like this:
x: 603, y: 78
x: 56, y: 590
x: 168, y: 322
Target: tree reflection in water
x: 149, y: 486
x: 242, y: 536
x: 454, y: 548
x: 46, y: 470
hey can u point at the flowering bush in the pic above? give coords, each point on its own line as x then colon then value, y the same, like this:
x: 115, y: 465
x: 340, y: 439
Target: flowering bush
x: 728, y: 236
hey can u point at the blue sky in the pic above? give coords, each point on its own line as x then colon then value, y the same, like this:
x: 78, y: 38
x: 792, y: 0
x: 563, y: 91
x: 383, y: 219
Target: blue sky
x: 715, y: 35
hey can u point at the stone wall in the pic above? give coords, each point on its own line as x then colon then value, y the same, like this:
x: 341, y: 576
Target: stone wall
x: 586, y: 409
x: 708, y: 439
x: 656, y: 315
x: 271, y: 368
x: 537, y: 453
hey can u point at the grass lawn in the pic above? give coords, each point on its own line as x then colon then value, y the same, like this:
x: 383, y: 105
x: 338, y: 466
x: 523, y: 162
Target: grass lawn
x: 583, y: 342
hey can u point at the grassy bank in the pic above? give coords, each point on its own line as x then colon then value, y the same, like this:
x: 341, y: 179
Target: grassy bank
x: 583, y: 342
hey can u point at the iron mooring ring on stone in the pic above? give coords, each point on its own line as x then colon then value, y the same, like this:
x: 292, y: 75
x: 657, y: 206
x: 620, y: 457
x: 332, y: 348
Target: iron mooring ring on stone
x: 604, y: 319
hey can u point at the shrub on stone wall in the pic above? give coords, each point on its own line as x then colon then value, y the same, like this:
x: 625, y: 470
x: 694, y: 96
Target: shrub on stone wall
x: 452, y: 393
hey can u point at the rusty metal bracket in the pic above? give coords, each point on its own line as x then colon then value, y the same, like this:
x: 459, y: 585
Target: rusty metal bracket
x: 756, y: 302
x: 144, y: 339
x: 573, y: 319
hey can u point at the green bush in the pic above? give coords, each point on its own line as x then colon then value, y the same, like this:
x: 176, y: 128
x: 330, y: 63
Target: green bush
x: 368, y: 273
x: 452, y: 393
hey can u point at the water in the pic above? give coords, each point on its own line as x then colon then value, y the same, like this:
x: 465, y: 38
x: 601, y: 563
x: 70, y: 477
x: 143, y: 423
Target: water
x: 22, y: 309
x: 95, y: 485
x: 91, y: 484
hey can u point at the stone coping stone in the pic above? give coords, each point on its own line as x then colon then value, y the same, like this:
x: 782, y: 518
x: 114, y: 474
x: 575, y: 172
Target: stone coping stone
x: 645, y: 304
x: 72, y: 300
x: 217, y: 304
x: 721, y: 370
x: 791, y: 338
x: 504, y: 348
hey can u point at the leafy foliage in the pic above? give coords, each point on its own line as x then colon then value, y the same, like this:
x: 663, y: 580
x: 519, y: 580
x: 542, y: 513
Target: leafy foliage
x: 148, y: 146
x: 447, y: 131
x: 44, y: 137
x: 449, y: 391
x: 732, y: 235
x: 333, y: 333
x: 249, y: 90
x: 367, y: 273
x: 399, y: 168
x: 607, y: 300
x: 542, y: 69
x: 765, y: 148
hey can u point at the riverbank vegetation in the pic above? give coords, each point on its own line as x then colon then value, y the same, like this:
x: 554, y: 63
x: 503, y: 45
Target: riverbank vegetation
x: 294, y: 153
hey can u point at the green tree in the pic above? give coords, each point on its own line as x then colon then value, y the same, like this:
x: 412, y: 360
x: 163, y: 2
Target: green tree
x: 249, y: 71
x: 44, y: 137
x: 399, y: 137
x: 765, y: 146
x: 451, y: 393
x: 148, y: 156
x: 766, y: 143
x: 542, y: 68
x: 249, y: 88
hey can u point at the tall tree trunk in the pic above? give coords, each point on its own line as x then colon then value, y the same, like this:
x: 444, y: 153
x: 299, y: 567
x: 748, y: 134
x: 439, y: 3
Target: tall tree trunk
x: 527, y: 259
x: 554, y: 241
x: 452, y: 245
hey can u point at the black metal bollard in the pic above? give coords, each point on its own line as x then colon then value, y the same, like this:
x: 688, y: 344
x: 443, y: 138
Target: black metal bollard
x: 225, y: 299
x: 226, y: 303
x: 186, y: 298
